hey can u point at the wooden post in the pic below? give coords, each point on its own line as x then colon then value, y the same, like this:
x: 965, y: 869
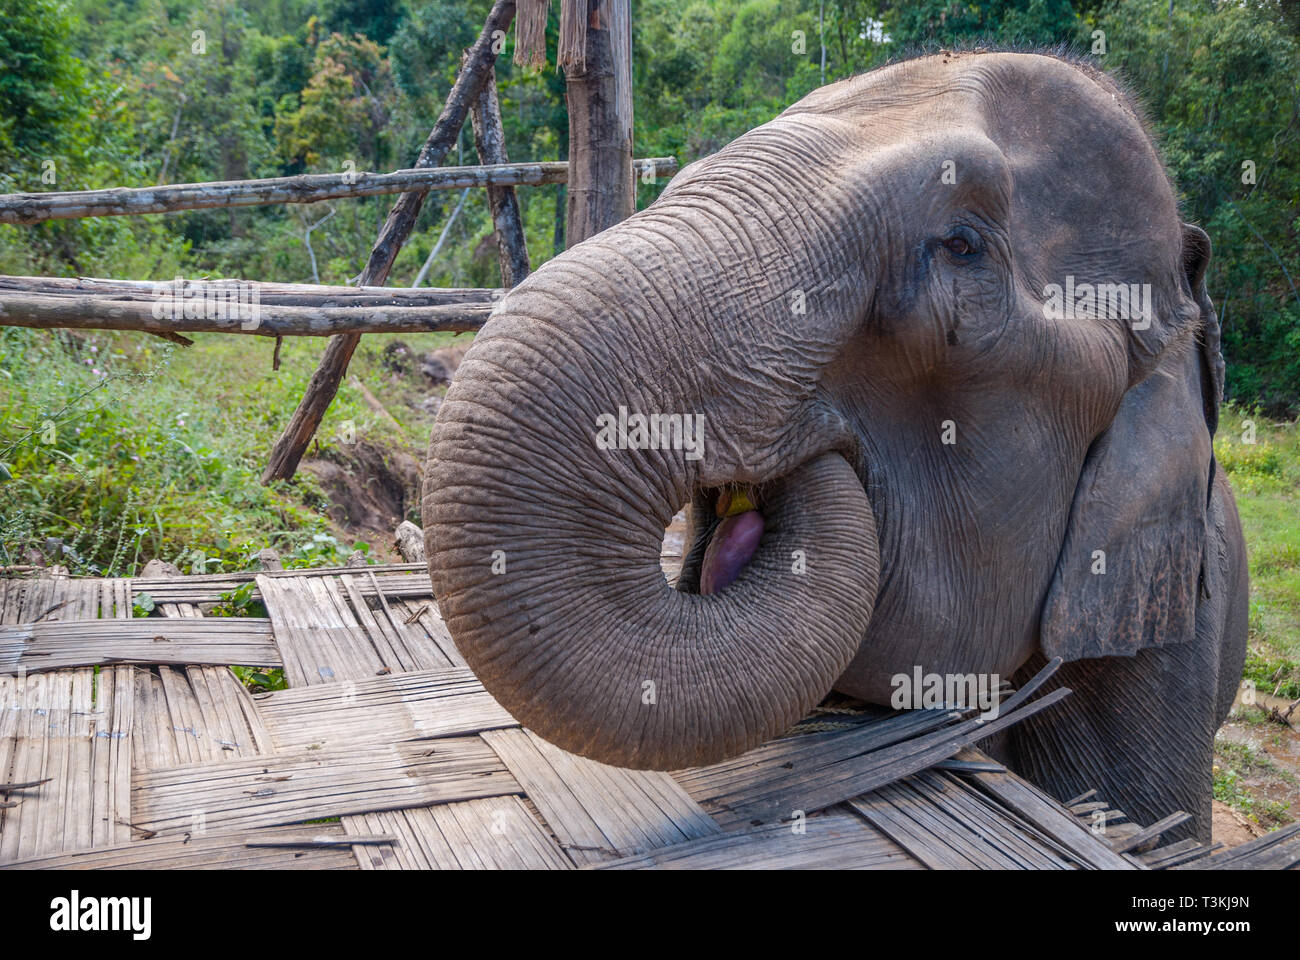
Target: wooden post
x: 291, y: 445
x: 598, y: 73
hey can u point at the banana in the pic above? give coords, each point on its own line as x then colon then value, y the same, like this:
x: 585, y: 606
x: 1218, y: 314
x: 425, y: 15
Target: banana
x: 733, y: 502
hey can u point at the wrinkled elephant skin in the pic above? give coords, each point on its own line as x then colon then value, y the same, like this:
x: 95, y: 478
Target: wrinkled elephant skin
x: 931, y: 356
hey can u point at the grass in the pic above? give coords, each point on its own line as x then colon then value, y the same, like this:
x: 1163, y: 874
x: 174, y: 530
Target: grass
x: 1262, y: 460
x: 116, y: 448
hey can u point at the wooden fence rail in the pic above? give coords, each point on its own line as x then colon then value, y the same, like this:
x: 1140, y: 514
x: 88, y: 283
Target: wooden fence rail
x: 280, y: 294
x: 89, y: 313
x: 28, y: 208
x: 239, y: 306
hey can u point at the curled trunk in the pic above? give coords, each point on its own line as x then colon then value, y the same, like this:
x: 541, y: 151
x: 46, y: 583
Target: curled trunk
x: 544, y: 551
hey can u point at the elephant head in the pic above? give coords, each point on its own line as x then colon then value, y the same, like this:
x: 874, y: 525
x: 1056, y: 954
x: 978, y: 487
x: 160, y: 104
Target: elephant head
x: 890, y: 316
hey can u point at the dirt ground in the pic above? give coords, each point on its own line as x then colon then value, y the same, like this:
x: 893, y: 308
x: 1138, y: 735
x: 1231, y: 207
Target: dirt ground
x: 1257, y: 767
x: 371, y: 491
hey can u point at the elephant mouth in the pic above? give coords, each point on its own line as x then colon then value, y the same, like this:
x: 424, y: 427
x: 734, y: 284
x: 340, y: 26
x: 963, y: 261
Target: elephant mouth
x: 726, y: 528
x: 732, y: 541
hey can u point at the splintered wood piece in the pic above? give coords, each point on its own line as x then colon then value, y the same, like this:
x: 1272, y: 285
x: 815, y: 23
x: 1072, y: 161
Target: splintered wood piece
x: 1279, y: 850
x: 856, y: 770
x: 1146, y: 834
x: 1048, y: 816
x: 5, y: 787
x: 834, y: 841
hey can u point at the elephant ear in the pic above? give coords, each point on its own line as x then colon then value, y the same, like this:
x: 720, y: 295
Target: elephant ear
x: 1129, y: 573
x: 1196, y: 258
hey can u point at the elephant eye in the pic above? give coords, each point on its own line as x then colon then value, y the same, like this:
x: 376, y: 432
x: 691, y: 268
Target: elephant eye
x: 962, y: 243
x: 959, y: 246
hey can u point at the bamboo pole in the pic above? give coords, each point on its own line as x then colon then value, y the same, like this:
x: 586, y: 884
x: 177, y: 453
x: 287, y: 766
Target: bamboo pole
x: 279, y: 294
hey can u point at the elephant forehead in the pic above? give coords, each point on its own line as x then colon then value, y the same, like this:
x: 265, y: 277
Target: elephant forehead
x: 1067, y: 120
x: 1054, y: 149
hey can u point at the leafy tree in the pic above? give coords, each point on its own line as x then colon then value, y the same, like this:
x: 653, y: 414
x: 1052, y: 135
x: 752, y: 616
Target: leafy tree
x: 43, y: 106
x: 375, y: 19
x: 917, y: 22
x: 344, y: 108
x: 1219, y: 82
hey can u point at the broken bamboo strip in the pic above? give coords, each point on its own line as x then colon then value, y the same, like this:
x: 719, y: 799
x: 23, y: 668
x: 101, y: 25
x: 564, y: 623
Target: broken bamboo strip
x: 75, y: 643
x: 1147, y: 834
x: 851, y: 768
x: 1048, y: 816
x: 835, y: 841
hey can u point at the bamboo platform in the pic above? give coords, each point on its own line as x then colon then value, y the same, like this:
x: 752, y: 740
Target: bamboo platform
x: 129, y: 743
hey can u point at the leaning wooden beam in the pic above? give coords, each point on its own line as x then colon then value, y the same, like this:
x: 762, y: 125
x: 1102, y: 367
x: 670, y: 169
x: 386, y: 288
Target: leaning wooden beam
x: 263, y: 319
x: 474, y: 72
x: 26, y: 208
x: 490, y: 142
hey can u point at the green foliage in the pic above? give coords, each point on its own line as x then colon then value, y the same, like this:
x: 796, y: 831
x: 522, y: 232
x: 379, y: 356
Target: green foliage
x: 239, y: 603
x: 324, y: 550
x: 1251, y: 466
x: 343, y: 111
x: 1007, y: 21
x: 1219, y: 82
x: 40, y: 85
x: 1265, y: 475
x: 261, y: 680
x: 143, y: 605
x: 1277, y: 676
x: 121, y: 448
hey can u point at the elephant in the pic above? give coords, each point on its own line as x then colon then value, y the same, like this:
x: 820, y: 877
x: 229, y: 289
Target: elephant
x: 947, y: 350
